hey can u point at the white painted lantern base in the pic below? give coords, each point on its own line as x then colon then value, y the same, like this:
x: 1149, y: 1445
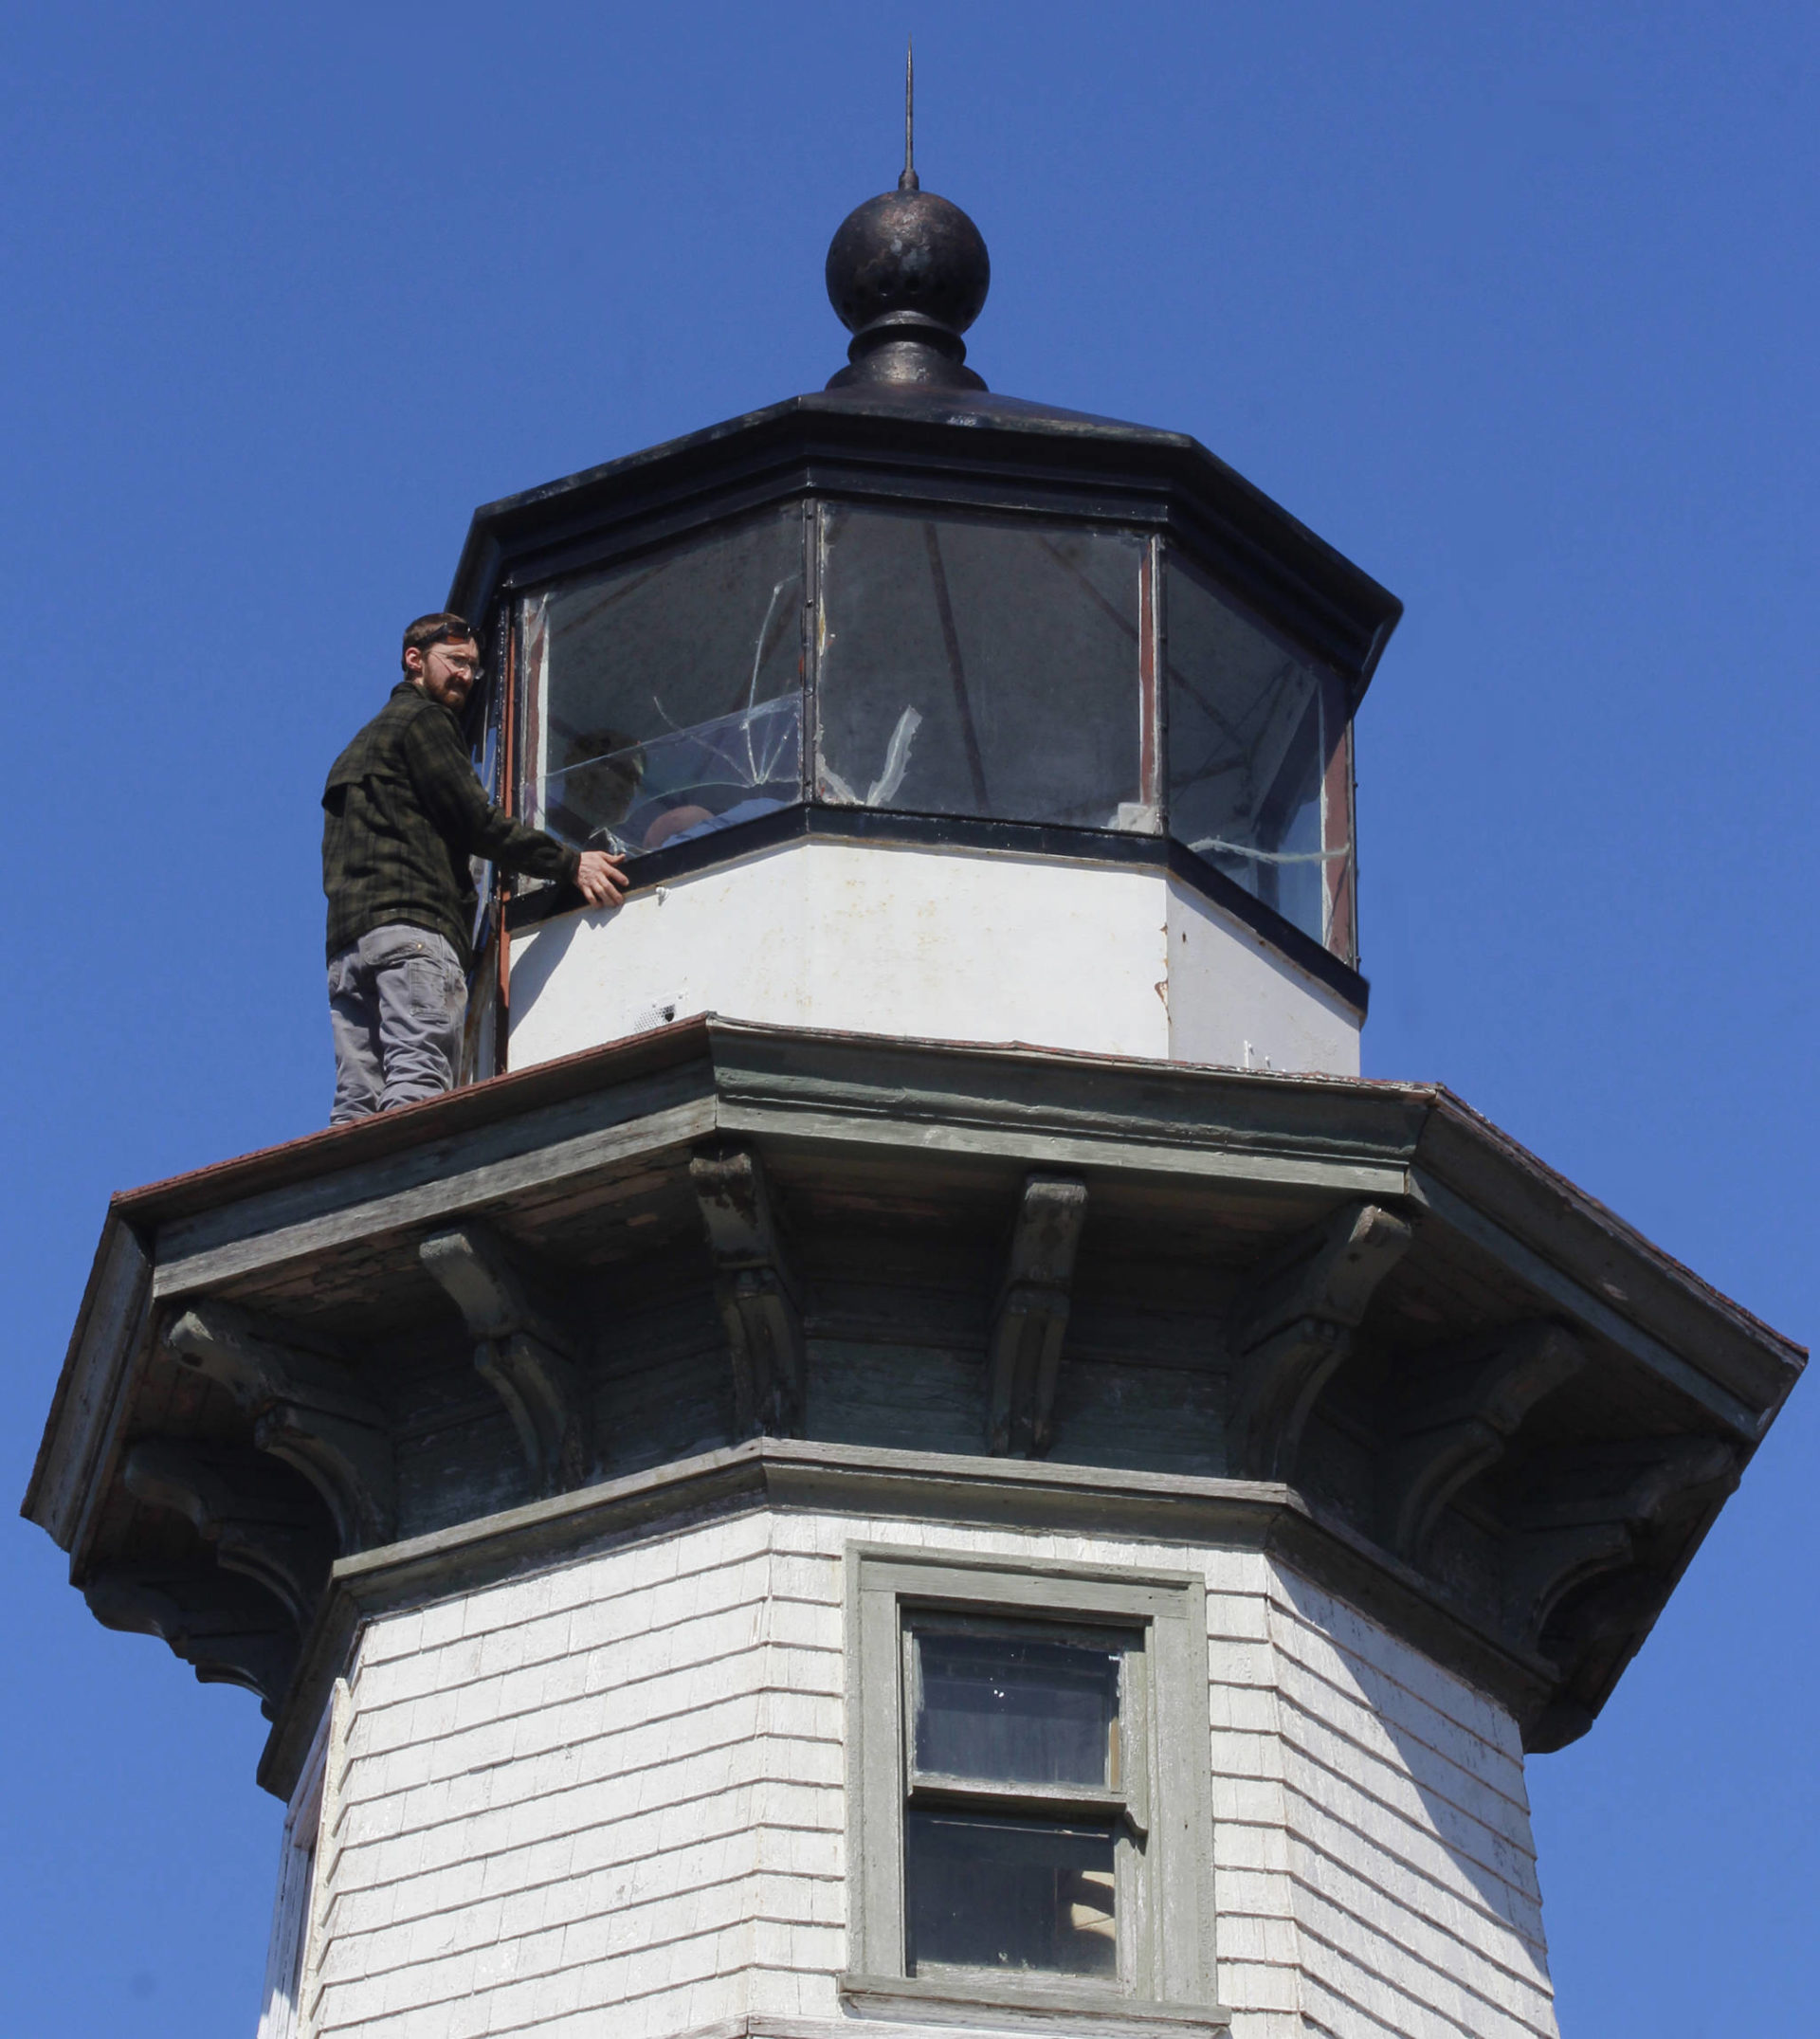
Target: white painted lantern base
x: 938, y: 944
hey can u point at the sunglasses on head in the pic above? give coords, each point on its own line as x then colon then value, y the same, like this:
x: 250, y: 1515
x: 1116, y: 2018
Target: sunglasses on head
x: 452, y: 633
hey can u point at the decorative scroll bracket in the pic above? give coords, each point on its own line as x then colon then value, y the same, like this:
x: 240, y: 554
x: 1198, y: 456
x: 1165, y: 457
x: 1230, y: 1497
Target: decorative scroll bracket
x: 525, y: 1348
x: 1291, y: 1325
x: 1590, y: 1515
x: 230, y: 1631
x: 757, y: 1296
x: 1459, y: 1409
x: 276, y: 1538
x: 306, y: 1411
x: 1030, y: 1316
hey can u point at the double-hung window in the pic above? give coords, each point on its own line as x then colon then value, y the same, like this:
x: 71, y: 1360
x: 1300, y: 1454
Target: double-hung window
x: 1029, y: 1813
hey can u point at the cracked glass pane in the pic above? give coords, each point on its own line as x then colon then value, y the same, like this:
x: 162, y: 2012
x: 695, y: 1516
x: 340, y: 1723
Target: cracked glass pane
x: 664, y: 698
x: 977, y: 667
x: 1248, y: 751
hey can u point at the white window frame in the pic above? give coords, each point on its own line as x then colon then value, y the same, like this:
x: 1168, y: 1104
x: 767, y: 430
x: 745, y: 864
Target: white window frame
x: 1165, y: 1911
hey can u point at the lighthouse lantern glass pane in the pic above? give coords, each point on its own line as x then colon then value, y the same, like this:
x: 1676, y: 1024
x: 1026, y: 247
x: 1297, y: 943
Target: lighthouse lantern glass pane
x: 663, y: 698
x: 980, y: 667
x: 1248, y: 750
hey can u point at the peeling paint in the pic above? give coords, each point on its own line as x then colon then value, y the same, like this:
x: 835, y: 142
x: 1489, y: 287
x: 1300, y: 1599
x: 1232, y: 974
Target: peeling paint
x: 942, y: 943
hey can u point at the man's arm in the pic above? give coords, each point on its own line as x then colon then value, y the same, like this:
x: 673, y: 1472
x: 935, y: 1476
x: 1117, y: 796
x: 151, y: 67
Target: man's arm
x: 451, y: 795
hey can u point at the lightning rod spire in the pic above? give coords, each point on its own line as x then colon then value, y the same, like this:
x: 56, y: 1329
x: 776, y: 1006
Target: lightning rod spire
x: 909, y: 181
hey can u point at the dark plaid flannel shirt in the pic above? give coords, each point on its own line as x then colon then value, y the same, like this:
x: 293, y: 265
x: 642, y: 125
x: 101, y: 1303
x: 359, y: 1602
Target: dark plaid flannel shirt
x: 405, y: 811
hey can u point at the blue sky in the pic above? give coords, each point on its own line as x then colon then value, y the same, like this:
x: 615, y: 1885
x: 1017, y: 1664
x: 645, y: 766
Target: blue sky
x: 1515, y: 305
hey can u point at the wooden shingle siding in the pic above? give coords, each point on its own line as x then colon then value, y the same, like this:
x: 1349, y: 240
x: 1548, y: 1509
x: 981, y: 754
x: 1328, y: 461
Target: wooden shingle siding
x: 1412, y: 1862
x: 558, y: 1815
x: 615, y: 1789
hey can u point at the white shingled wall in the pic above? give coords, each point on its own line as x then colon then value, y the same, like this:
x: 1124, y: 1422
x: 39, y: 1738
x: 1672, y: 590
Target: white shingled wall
x: 617, y: 1786
x: 551, y: 1800
x: 1417, y: 1909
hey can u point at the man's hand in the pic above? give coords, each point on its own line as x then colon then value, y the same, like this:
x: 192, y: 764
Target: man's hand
x: 599, y: 879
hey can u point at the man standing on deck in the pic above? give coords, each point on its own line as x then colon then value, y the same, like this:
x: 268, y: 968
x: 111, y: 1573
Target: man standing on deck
x: 404, y: 812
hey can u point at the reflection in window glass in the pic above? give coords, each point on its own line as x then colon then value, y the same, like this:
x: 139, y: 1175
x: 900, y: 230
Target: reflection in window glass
x: 981, y: 668
x: 1015, y: 1711
x: 1246, y: 751
x: 484, y: 750
x: 1009, y: 1893
x: 664, y: 698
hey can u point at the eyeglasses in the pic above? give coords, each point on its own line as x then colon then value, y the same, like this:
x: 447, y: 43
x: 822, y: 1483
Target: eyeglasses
x: 461, y: 663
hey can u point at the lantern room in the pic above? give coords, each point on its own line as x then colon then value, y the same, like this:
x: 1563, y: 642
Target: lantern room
x: 913, y: 705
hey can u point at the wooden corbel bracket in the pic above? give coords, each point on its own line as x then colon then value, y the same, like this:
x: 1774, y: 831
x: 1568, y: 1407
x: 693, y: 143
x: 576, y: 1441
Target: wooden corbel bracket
x: 1587, y: 1517
x: 526, y: 1348
x: 305, y: 1409
x: 1292, y: 1324
x: 758, y: 1298
x: 262, y: 1520
x: 230, y: 1631
x: 1456, y: 1413
x: 1029, y: 1318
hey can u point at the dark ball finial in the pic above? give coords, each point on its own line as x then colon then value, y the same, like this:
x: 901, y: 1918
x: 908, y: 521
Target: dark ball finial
x: 908, y: 272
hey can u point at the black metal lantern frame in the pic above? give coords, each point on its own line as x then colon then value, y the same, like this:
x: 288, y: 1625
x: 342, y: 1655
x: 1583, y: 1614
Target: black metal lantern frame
x: 936, y: 616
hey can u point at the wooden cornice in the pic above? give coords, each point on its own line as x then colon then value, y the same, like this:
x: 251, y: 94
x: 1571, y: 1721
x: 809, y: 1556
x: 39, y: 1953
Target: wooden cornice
x: 1373, y: 1261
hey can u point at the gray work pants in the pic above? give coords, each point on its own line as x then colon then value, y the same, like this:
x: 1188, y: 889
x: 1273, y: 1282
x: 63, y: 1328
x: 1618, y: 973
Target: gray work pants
x: 397, y: 998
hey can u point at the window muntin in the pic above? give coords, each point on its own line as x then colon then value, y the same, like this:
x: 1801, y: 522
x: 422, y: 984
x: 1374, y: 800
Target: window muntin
x: 1251, y: 728
x: 1030, y: 1816
x: 664, y: 698
x: 980, y: 667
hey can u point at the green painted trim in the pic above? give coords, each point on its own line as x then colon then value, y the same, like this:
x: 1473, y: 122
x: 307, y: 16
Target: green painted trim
x: 280, y: 1230
x: 1174, y: 1509
x: 107, y: 1351
x: 1592, y: 1310
x: 1038, y: 2008
x: 1168, y: 1929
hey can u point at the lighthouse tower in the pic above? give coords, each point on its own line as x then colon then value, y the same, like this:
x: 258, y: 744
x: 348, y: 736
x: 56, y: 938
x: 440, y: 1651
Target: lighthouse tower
x: 917, y: 1451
